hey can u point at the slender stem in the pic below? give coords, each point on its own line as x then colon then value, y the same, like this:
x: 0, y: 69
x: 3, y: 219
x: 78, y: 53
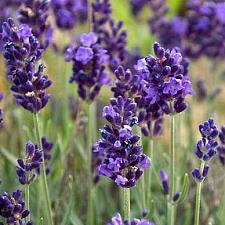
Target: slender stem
x: 27, y: 199
x: 126, y: 203
x: 143, y: 179
x: 171, y: 212
x: 149, y: 173
x: 91, y: 138
x: 198, y: 196
x: 43, y: 171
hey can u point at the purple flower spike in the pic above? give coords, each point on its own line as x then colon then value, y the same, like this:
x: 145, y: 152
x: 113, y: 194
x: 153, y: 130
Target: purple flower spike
x: 35, y: 15
x: 118, y: 152
x: 68, y: 13
x: 22, y: 52
x: 89, y: 61
x: 12, y: 208
x: 117, y: 220
x: 110, y: 34
x: 26, y: 170
x: 207, y: 147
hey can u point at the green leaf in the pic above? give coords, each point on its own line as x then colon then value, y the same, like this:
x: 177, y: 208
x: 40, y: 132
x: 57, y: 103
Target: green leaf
x: 185, y: 189
x: 9, y: 156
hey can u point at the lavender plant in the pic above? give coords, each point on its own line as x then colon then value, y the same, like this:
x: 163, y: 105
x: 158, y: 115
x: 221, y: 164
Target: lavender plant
x: 206, y: 150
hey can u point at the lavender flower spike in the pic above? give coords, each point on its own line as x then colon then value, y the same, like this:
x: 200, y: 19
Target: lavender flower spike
x: 28, y: 166
x: 165, y: 182
x: 117, y: 220
x: 35, y: 14
x: 122, y: 157
x: 89, y: 61
x: 22, y: 52
x: 206, y: 148
x: 12, y: 208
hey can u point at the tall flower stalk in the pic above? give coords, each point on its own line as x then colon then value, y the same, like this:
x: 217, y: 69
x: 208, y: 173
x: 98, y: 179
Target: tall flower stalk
x: 22, y: 52
x: 205, y: 151
x: 172, y: 161
x: 43, y: 169
x: 126, y: 203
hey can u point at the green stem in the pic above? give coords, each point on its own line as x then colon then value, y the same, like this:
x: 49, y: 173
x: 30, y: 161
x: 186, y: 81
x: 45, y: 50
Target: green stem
x: 171, y: 212
x: 43, y: 171
x: 91, y: 138
x: 27, y: 199
x: 126, y: 203
x: 143, y: 179
x: 90, y: 15
x: 149, y: 173
x: 198, y: 196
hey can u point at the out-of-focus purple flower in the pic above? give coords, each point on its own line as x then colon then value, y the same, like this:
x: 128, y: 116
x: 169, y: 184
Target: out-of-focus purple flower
x: 12, y: 208
x: 206, y: 147
x: 221, y: 147
x: 165, y: 182
x: 28, y: 166
x: 69, y: 12
x: 122, y: 159
x: 110, y: 34
x: 117, y: 220
x: 22, y: 53
x: 89, y: 61
x: 199, y: 32
x: 138, y: 5
x: 35, y: 13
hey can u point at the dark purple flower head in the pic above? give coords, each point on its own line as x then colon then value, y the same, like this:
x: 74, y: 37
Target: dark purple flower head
x: 110, y: 34
x: 89, y: 61
x: 35, y: 14
x: 206, y: 147
x: 27, y: 168
x: 117, y: 220
x: 12, y: 208
x: 121, y: 155
x: 164, y: 79
x: 69, y: 12
x: 22, y: 53
x: 165, y: 182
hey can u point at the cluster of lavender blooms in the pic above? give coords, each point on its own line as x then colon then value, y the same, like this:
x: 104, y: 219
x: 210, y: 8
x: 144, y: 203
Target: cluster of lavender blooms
x: 117, y: 220
x: 110, y: 34
x: 200, y: 31
x: 12, y: 208
x: 22, y: 53
x: 159, y: 87
x: 122, y: 157
x: 35, y: 14
x: 89, y: 60
x: 29, y: 166
x: 68, y: 12
x: 26, y: 171
x: 206, y: 147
